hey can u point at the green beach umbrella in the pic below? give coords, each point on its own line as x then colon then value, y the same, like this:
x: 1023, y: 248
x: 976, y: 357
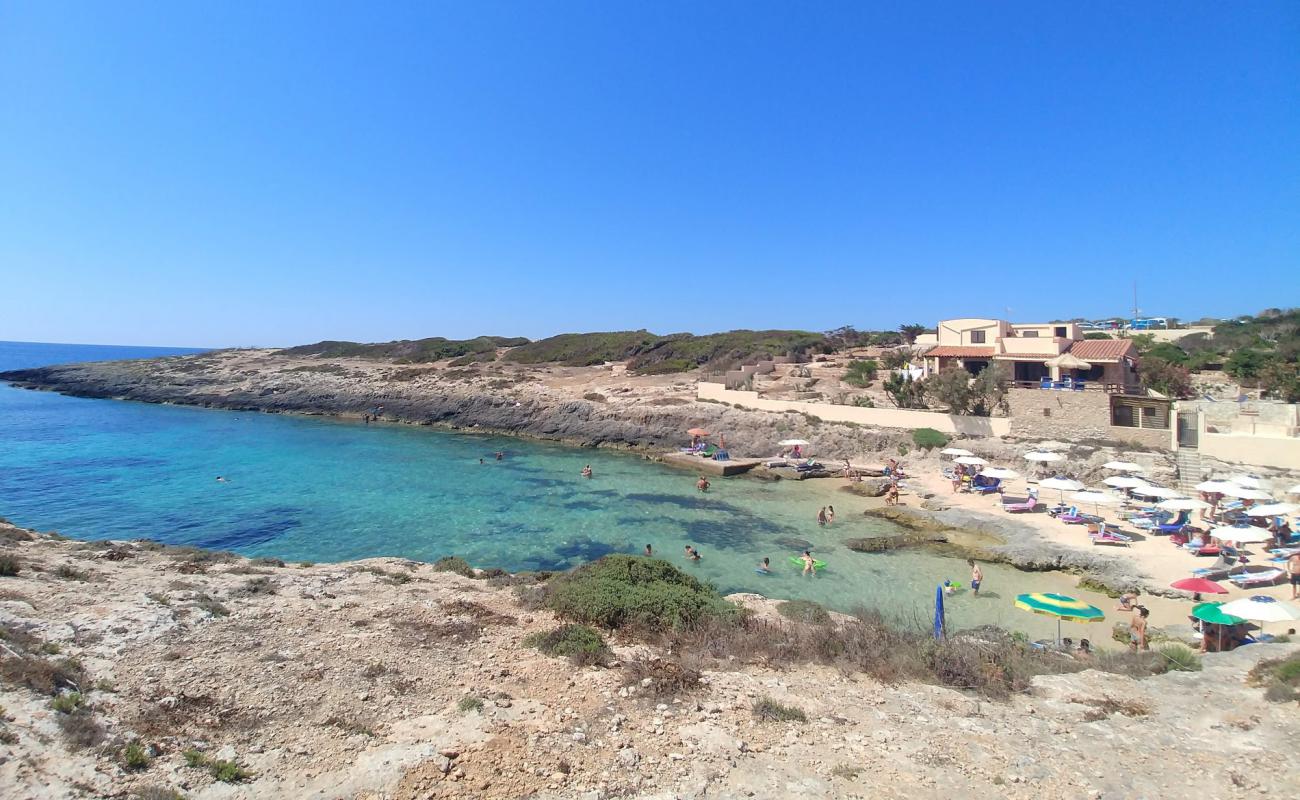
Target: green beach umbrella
x: 1059, y: 606
x: 1212, y: 613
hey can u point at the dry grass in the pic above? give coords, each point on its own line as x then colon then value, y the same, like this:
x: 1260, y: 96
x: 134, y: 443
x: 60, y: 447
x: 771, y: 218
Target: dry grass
x: 668, y: 677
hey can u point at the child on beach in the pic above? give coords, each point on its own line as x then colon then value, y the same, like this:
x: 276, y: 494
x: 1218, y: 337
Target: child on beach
x: 976, y: 576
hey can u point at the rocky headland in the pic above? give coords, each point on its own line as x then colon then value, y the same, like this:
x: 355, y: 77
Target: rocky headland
x: 206, y: 675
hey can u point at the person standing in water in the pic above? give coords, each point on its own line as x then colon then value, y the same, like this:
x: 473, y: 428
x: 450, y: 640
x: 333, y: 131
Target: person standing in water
x: 976, y: 576
x: 830, y: 515
x: 808, y: 564
x: 702, y: 484
x: 586, y: 471
x: 821, y: 516
x: 692, y: 553
x: 766, y: 566
x: 649, y: 552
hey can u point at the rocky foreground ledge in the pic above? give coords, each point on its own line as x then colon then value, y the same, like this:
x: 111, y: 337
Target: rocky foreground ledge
x: 204, y: 675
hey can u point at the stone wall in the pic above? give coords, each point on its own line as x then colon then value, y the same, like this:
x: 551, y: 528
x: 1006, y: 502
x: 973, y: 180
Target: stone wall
x: 1070, y: 416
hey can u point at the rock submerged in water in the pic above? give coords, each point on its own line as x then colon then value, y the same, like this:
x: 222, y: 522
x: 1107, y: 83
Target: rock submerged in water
x: 868, y: 487
x: 894, y: 541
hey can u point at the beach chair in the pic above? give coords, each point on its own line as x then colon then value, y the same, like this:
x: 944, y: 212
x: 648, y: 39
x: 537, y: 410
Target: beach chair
x: 1029, y: 504
x: 1176, y: 525
x: 1149, y: 522
x: 982, y: 485
x: 1110, y: 537
x: 1079, y: 386
x: 1045, y: 382
x: 1262, y: 577
x: 1216, y: 571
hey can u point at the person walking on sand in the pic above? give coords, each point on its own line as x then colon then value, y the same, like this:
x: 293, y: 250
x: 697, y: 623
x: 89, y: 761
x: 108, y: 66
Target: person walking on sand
x: 1293, y: 573
x: 976, y: 577
x: 808, y: 563
x: 1137, y: 630
x: 821, y: 516
x: 830, y: 515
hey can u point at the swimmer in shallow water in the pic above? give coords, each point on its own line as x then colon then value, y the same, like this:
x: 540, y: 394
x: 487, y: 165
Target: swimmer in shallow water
x: 808, y: 563
x: 222, y: 479
x: 766, y: 566
x: 586, y: 471
x: 692, y: 553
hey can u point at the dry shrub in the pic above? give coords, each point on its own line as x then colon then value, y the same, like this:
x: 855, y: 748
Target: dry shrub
x: 44, y: 675
x: 81, y: 730
x: 476, y: 611
x: 667, y: 676
x: 1106, y: 706
x: 426, y: 632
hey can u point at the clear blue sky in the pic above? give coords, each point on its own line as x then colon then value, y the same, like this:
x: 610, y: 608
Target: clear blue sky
x: 204, y: 173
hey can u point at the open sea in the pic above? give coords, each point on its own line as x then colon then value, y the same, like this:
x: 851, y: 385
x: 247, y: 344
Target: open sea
x: 314, y: 489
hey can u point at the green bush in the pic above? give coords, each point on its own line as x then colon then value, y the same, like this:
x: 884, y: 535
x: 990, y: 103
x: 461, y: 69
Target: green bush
x: 929, y: 438
x: 1280, y: 678
x: 454, y: 564
x: 580, y: 643
x: 67, y: 703
x: 9, y: 566
x: 469, y: 703
x: 626, y: 591
x: 228, y: 771
x: 417, y: 351
x: 768, y: 710
x: 135, y: 757
x: 1180, y: 658
x: 804, y: 611
x: 861, y: 373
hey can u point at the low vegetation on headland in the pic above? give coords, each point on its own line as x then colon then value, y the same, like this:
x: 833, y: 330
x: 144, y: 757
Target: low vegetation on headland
x: 652, y: 600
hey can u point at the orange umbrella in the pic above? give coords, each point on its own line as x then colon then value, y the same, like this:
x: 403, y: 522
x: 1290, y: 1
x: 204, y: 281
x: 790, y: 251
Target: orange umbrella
x: 698, y: 432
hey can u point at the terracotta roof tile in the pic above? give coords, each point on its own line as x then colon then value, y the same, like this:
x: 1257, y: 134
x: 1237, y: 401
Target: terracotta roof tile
x: 951, y: 351
x: 1103, y: 349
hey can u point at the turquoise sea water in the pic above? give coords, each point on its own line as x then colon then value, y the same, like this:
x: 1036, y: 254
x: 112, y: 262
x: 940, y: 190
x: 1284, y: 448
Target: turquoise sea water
x: 311, y: 489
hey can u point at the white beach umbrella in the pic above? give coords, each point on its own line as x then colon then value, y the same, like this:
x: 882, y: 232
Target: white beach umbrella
x: 792, y: 443
x: 1097, y: 499
x: 1159, y: 492
x: 1249, y: 481
x: 1124, y: 482
x: 955, y: 451
x: 999, y: 472
x: 1061, y: 484
x: 1043, y: 456
x: 1272, y: 510
x: 1261, y: 608
x: 1246, y: 493
x: 1182, y: 504
x: 1214, y: 486
x: 1240, y: 535
x: 1123, y: 466
x: 975, y: 460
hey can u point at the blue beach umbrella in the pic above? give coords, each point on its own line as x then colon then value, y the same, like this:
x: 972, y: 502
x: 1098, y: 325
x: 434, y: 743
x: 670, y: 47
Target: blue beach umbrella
x: 939, y: 627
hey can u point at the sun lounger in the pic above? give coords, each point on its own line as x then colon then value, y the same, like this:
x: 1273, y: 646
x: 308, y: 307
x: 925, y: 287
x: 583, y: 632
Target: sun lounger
x: 1110, y: 537
x: 1263, y: 577
x: 1174, y: 526
x: 985, y: 486
x: 1216, y: 571
x: 1020, y: 506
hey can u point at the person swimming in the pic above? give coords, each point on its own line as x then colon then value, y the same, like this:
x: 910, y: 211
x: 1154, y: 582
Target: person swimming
x: 692, y: 553
x: 702, y: 484
x: 649, y: 552
x: 222, y: 479
x: 808, y: 564
x: 586, y: 471
x: 765, y: 567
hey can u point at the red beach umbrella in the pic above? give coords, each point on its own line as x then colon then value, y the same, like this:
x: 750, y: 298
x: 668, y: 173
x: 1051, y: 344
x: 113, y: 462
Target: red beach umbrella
x: 1199, y: 585
x: 698, y: 432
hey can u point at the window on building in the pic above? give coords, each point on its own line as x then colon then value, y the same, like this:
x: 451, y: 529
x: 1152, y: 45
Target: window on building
x: 1059, y: 332
x: 977, y: 337
x: 1029, y: 334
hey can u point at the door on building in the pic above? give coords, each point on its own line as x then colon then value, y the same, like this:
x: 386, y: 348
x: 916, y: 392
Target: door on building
x: 1031, y: 371
x: 1187, y: 429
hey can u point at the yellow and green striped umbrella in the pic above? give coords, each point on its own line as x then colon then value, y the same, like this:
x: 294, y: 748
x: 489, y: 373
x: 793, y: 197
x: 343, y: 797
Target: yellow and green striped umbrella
x: 1059, y: 606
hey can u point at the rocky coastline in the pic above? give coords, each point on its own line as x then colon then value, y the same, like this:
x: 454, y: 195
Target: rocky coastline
x: 578, y: 406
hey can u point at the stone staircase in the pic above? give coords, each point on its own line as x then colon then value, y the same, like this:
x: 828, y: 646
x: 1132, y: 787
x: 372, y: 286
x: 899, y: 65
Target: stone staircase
x: 1189, y: 468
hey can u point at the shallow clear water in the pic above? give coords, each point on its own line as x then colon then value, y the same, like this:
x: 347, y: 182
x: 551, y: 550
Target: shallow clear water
x: 310, y: 489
